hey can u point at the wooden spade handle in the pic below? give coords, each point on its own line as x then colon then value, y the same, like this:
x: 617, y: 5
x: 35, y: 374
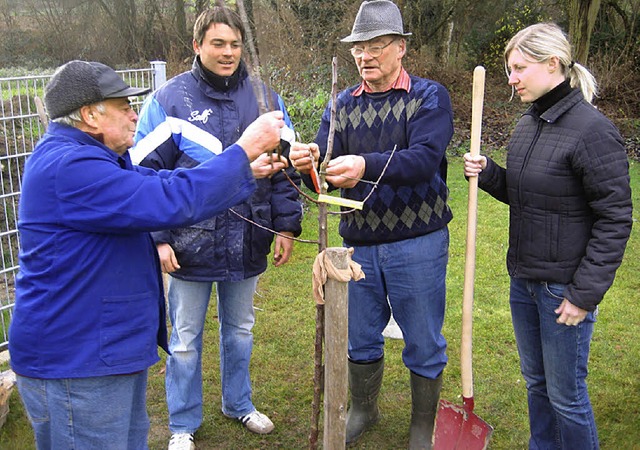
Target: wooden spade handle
x: 470, y: 254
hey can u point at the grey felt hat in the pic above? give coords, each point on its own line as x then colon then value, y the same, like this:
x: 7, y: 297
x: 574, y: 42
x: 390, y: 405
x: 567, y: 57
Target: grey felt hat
x: 79, y: 83
x: 376, y: 18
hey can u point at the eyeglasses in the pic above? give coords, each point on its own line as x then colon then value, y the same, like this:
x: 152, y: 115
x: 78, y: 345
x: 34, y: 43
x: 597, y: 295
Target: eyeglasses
x: 373, y: 51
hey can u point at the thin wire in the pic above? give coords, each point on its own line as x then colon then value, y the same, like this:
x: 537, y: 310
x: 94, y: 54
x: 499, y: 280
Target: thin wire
x: 300, y: 191
x: 306, y: 241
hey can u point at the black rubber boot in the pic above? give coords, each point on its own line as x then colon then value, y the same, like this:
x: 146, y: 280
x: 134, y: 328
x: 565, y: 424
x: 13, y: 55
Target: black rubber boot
x: 364, y: 381
x: 425, y: 395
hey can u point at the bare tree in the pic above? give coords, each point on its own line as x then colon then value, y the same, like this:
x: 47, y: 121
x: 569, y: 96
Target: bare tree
x: 61, y: 35
x: 123, y: 16
x: 8, y: 10
x: 433, y: 23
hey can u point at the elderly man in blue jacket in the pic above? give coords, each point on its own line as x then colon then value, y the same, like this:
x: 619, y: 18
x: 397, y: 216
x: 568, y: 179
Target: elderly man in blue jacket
x: 89, y: 309
x: 216, y: 96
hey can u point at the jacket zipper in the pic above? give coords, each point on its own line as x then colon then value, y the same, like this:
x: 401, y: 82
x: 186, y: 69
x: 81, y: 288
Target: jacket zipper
x: 525, y: 162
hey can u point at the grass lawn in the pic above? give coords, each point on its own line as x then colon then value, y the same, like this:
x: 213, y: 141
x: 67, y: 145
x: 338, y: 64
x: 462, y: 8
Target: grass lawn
x: 282, y: 364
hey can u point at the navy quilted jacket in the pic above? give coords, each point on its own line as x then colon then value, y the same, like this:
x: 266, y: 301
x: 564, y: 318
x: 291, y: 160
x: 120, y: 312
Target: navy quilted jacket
x: 567, y: 187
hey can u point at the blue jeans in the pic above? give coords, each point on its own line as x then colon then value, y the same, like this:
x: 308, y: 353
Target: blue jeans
x: 188, y: 302
x: 103, y: 413
x: 553, y: 360
x: 411, y: 274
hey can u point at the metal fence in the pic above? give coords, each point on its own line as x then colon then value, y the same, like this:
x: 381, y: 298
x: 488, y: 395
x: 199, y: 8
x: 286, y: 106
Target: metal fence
x: 20, y: 129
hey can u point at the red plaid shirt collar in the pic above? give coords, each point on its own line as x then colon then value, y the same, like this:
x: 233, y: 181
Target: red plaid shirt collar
x: 402, y: 82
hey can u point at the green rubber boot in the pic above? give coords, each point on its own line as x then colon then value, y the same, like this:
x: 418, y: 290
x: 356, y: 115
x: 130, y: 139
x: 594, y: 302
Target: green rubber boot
x: 364, y: 381
x: 425, y: 395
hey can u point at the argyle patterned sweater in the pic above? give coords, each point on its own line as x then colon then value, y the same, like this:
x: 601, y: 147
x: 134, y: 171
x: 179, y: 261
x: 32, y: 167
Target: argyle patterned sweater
x: 411, y: 198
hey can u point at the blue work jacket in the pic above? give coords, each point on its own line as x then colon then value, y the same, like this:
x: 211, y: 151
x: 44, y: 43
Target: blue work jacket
x: 89, y: 297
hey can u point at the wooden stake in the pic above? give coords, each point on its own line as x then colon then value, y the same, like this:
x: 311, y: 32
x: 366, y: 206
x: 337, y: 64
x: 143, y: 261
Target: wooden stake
x: 336, y: 344
x: 322, y: 244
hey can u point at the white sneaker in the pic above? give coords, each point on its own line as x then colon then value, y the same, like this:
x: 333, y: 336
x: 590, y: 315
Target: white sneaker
x: 257, y: 422
x: 182, y: 441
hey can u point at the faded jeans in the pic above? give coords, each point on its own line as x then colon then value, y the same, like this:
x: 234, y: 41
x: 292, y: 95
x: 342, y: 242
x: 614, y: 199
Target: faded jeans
x: 553, y: 360
x: 188, y: 302
x: 411, y: 274
x: 105, y: 413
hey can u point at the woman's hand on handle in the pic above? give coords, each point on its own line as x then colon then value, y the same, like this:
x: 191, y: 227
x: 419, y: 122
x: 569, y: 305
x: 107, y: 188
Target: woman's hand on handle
x: 473, y: 165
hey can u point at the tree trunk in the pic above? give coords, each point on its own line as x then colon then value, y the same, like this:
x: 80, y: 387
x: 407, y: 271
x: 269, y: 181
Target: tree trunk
x: 443, y: 48
x: 181, y: 28
x: 582, y: 17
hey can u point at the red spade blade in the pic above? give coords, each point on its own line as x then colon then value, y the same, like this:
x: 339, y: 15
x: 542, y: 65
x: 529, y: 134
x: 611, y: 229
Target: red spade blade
x: 459, y: 428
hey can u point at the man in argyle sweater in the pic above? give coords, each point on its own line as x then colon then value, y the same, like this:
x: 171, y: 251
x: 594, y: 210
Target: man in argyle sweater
x: 392, y: 127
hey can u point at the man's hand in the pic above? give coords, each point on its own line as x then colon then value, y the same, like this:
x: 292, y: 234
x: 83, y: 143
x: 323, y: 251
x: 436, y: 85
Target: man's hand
x: 345, y: 171
x: 262, y: 135
x: 265, y: 166
x: 303, y: 156
x: 282, y: 249
x: 168, y: 261
x: 570, y: 314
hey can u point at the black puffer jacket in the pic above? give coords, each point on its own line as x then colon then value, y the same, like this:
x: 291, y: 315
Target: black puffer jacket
x: 567, y: 187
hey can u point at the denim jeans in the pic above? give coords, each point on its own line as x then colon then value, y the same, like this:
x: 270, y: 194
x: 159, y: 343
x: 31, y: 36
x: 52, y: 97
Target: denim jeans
x: 102, y: 413
x: 188, y: 302
x: 553, y: 360
x: 407, y: 277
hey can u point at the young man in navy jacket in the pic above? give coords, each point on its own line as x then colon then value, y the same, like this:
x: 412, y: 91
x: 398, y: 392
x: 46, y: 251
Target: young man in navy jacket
x: 216, y: 96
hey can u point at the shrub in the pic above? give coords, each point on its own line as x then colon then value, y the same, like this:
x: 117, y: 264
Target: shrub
x: 306, y: 111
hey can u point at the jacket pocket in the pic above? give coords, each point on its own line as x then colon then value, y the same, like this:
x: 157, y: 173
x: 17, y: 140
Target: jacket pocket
x: 34, y: 395
x: 127, y: 328
x: 554, y: 237
x: 198, y: 245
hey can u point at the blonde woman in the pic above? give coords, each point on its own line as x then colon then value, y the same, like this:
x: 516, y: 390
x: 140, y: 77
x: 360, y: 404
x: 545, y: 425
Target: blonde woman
x: 566, y: 182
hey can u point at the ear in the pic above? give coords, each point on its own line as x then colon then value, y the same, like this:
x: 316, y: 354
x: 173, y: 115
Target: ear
x: 196, y: 47
x: 403, y: 47
x: 88, y: 116
x: 553, y: 64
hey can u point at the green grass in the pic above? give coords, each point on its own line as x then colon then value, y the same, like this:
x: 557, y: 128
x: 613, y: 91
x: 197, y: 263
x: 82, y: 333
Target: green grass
x: 282, y: 365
